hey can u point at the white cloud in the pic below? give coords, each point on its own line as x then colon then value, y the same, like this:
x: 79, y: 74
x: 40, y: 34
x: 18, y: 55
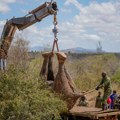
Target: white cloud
x: 75, y: 2
x: 7, y: 1
x: 91, y: 37
x: 2, y: 25
x: 66, y: 10
x: 24, y: 11
x: 4, y: 5
x: 35, y: 36
x: 96, y: 21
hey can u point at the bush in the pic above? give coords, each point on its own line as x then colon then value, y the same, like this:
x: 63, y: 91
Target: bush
x: 116, y: 77
x: 27, y: 97
x: 86, y: 71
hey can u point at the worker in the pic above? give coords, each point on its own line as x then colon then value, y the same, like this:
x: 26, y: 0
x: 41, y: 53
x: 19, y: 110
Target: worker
x: 117, y: 103
x: 113, y: 97
x: 83, y: 101
x: 106, y: 84
x: 98, y: 103
x: 109, y: 101
x: 3, y: 57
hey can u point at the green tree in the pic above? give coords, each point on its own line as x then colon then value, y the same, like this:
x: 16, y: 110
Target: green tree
x: 27, y: 97
x: 18, y: 54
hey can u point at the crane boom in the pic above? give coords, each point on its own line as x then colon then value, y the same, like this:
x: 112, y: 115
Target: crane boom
x: 36, y: 15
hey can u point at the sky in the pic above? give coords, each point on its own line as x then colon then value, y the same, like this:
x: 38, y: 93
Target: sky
x: 81, y: 23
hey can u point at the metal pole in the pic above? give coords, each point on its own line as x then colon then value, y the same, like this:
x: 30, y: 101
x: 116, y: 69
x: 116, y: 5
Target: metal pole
x: 4, y: 64
x: 1, y: 64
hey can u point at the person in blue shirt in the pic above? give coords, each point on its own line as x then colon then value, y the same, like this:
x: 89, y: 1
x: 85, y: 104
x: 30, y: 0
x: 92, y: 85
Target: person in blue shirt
x: 113, y: 97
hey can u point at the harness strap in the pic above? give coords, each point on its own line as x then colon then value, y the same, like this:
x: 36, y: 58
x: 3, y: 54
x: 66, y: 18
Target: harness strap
x: 55, y: 43
x: 55, y: 31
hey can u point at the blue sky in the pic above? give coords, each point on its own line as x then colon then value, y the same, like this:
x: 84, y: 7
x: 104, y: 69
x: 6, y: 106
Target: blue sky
x: 81, y: 23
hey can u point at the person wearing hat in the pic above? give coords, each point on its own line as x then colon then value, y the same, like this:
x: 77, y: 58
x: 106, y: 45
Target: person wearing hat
x: 106, y: 84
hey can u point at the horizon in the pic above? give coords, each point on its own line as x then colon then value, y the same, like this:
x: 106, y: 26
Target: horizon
x: 85, y: 50
x: 81, y: 23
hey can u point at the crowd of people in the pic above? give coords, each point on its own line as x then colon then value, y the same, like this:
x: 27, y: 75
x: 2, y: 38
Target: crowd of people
x: 113, y: 101
x: 109, y: 100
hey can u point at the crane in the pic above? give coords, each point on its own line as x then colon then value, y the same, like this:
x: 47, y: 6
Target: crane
x: 36, y: 15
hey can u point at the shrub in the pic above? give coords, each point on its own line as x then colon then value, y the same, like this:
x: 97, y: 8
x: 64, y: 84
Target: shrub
x: 27, y: 97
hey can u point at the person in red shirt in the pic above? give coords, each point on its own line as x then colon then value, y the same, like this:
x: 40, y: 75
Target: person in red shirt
x: 109, y: 101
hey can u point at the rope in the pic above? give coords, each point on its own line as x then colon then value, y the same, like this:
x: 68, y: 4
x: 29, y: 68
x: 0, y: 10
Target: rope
x: 89, y: 92
x: 55, y: 43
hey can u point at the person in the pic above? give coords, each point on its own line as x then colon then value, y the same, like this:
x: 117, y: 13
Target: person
x: 117, y: 103
x: 98, y: 103
x: 106, y: 84
x: 113, y: 97
x: 109, y: 101
x: 83, y: 101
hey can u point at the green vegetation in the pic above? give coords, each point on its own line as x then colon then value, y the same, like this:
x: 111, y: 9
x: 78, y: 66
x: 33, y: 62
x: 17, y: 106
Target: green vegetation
x: 24, y: 96
x: 86, y: 70
x: 116, y: 77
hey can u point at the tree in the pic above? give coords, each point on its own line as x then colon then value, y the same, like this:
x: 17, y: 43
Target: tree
x: 27, y: 97
x: 18, y: 54
x: 99, y: 47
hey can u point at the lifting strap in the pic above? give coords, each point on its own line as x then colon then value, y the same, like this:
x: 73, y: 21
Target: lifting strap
x: 47, y: 67
x: 50, y: 73
x: 55, y: 43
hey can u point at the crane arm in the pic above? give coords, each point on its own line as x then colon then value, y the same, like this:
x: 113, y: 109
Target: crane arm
x: 36, y: 15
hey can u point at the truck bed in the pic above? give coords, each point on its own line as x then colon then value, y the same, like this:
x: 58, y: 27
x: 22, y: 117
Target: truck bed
x: 91, y: 113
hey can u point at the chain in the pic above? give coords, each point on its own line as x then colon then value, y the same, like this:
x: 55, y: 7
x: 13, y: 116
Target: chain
x: 55, y: 31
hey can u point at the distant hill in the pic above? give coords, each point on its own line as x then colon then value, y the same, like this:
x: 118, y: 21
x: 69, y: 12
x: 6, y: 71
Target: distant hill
x: 80, y: 50
x: 72, y: 50
x: 37, y: 48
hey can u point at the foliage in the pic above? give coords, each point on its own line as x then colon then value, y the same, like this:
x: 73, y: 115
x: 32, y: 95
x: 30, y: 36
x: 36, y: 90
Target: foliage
x: 27, y: 97
x: 18, y: 53
x: 24, y: 96
x: 86, y: 71
x: 116, y: 77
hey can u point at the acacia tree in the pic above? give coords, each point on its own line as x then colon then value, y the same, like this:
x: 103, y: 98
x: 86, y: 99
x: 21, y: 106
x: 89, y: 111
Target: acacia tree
x: 18, y: 54
x: 99, y: 47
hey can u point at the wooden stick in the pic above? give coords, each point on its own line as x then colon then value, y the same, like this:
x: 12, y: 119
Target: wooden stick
x: 89, y: 92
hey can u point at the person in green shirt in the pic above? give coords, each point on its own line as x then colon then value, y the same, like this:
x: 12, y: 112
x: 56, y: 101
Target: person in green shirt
x: 106, y: 84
